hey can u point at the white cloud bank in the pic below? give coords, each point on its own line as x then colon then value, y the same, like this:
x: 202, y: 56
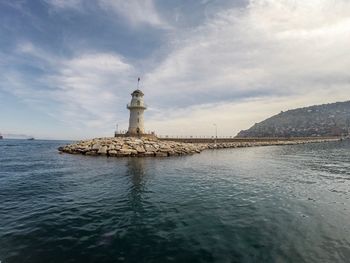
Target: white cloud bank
x: 86, y: 92
x: 253, y: 62
x: 88, y: 87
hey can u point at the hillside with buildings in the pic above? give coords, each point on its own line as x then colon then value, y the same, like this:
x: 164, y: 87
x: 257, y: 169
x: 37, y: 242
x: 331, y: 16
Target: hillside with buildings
x: 320, y: 120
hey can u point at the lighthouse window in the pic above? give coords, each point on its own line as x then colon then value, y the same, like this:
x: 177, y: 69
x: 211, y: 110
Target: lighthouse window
x: 138, y: 113
x: 138, y: 103
x: 138, y: 120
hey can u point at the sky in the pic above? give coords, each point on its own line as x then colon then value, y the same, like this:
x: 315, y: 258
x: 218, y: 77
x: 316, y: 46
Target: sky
x: 67, y: 67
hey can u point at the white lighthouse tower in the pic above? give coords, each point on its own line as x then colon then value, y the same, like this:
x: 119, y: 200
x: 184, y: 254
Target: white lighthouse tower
x: 136, y: 107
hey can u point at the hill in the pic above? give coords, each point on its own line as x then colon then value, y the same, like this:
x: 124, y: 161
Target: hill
x: 320, y: 120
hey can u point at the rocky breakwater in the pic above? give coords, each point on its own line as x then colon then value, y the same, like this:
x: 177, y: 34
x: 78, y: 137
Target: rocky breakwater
x: 276, y: 142
x: 130, y: 146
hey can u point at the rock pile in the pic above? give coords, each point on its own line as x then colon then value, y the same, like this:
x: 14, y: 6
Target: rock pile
x: 130, y: 146
x: 268, y: 143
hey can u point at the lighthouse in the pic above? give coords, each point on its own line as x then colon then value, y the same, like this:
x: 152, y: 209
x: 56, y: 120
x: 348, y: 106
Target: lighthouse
x: 136, y: 107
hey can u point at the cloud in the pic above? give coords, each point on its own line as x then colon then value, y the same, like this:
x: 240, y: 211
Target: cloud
x: 231, y: 117
x: 268, y: 50
x: 268, y: 45
x: 65, y: 4
x: 238, y: 67
x: 86, y: 91
x: 89, y: 87
x: 136, y: 12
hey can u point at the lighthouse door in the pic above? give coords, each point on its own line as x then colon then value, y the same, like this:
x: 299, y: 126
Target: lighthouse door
x: 138, y: 130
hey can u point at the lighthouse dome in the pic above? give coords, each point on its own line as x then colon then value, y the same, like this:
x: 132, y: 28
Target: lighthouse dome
x: 137, y: 92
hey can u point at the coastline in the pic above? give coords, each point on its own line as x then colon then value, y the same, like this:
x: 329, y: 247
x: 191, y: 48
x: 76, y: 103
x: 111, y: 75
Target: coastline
x: 150, y: 147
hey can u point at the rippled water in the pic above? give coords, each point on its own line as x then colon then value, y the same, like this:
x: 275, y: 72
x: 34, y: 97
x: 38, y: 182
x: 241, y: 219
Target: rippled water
x: 265, y: 204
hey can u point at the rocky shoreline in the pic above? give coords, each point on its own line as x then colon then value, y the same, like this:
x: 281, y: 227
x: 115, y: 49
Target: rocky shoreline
x: 142, y: 147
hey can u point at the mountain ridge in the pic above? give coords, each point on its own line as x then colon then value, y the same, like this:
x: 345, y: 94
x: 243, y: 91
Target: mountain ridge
x: 331, y: 119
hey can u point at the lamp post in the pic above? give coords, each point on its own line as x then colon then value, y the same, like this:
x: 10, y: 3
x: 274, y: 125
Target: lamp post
x: 216, y: 133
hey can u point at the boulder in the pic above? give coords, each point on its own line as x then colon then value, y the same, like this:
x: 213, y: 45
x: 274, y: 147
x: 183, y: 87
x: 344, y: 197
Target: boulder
x: 102, y: 150
x: 111, y: 147
x: 126, y: 146
x: 140, y: 149
x: 124, y: 151
x: 149, y: 148
x: 112, y: 153
x: 96, y: 146
x: 166, y: 150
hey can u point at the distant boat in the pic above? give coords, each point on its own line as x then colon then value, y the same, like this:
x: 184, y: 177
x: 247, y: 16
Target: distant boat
x: 1, y: 137
x: 31, y: 139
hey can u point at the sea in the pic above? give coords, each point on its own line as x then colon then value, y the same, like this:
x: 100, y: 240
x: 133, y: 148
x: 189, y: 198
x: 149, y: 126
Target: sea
x: 259, y: 204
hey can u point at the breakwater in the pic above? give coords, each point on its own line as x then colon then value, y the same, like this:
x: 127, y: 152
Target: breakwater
x: 131, y: 146
x: 143, y: 147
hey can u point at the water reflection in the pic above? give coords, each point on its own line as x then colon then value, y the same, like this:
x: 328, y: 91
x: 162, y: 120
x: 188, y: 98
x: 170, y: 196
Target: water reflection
x: 138, y: 178
x: 136, y: 171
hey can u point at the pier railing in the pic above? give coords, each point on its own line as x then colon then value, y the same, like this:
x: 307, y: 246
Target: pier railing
x: 219, y: 139
x: 226, y: 139
x: 124, y: 133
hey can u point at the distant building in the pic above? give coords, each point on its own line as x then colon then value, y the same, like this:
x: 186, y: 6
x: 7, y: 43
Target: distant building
x: 136, y: 107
